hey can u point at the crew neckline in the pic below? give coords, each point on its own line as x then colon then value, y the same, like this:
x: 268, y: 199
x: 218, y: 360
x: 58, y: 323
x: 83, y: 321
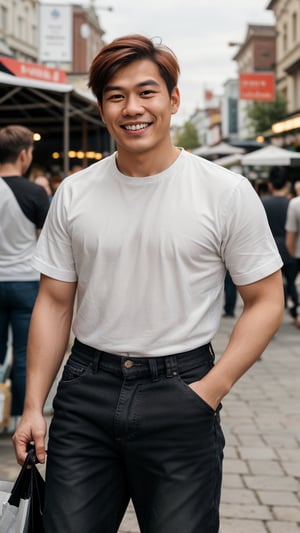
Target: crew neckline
x: 136, y: 180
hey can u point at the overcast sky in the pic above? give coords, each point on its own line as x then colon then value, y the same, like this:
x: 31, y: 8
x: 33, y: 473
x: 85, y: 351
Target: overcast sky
x: 198, y: 31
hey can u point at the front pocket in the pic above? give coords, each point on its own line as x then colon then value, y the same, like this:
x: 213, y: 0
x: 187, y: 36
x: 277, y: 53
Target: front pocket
x: 73, y: 371
x: 187, y: 389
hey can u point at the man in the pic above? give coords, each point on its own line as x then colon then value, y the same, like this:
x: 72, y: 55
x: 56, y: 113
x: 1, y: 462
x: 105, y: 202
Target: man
x: 292, y: 227
x: 144, y: 238
x: 23, y: 209
x: 276, y: 205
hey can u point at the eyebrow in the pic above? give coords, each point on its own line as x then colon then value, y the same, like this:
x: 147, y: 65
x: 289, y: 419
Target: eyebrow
x: 144, y: 83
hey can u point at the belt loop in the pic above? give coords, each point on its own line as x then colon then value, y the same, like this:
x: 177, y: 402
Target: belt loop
x: 153, y: 369
x: 171, y: 366
x: 96, y: 361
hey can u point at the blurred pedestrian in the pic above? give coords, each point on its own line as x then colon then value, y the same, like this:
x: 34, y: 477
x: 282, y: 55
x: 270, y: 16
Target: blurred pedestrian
x: 143, y: 237
x: 44, y: 182
x: 23, y: 209
x: 55, y: 181
x: 292, y: 227
x: 297, y: 188
x: 75, y: 168
x: 230, y: 297
x: 276, y: 206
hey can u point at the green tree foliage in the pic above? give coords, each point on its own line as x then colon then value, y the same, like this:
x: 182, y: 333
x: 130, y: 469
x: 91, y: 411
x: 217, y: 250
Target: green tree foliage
x: 262, y: 115
x: 187, y: 137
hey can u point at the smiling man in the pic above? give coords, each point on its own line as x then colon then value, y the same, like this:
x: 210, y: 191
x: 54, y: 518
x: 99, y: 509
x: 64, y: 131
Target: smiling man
x: 144, y: 238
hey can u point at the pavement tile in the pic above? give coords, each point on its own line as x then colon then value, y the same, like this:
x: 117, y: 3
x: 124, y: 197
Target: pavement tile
x: 292, y: 469
x: 282, y: 441
x: 266, y: 468
x: 250, y: 512
x: 289, y: 514
x: 235, y: 466
x: 239, y: 496
x: 282, y: 527
x: 276, y: 482
x: 231, y: 452
x: 277, y: 497
x: 232, y: 481
x: 289, y: 455
x: 251, y: 440
x: 260, y: 454
x: 244, y: 526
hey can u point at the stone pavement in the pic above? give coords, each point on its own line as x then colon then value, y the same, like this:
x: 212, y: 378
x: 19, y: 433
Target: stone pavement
x: 261, y: 422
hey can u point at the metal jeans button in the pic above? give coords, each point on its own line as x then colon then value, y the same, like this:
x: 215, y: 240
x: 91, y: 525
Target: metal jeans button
x: 128, y: 363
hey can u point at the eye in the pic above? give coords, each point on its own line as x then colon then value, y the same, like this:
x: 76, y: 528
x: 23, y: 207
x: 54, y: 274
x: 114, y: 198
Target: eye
x: 114, y: 97
x: 147, y: 92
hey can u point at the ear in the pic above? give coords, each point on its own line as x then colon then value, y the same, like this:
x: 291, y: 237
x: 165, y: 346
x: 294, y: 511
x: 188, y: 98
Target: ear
x: 22, y: 155
x: 175, y: 100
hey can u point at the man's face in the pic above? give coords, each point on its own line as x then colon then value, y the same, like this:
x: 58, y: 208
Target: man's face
x: 137, y: 107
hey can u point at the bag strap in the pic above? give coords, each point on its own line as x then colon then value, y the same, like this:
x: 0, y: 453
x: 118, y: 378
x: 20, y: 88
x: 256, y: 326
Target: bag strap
x: 23, y: 485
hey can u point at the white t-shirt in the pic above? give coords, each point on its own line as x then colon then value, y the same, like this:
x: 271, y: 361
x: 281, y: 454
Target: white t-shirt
x: 150, y: 254
x: 293, y: 221
x: 18, y: 238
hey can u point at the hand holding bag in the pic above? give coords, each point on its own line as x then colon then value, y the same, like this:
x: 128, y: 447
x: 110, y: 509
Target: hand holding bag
x: 23, y: 512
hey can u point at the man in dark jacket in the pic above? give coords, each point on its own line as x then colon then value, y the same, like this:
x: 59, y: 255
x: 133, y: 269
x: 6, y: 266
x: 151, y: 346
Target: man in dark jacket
x: 276, y: 205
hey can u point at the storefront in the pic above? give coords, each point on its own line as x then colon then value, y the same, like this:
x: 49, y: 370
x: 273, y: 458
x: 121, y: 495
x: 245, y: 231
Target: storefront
x: 66, y: 119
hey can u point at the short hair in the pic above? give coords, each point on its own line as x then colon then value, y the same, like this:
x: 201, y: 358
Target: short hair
x: 14, y: 139
x: 123, y: 51
x: 278, y: 177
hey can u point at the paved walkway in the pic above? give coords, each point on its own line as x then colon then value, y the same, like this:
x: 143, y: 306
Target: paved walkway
x: 261, y: 422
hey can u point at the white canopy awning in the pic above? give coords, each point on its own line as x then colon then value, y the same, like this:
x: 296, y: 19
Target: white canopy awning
x: 271, y: 156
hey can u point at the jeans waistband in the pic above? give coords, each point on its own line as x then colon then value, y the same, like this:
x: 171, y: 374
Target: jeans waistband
x: 169, y: 365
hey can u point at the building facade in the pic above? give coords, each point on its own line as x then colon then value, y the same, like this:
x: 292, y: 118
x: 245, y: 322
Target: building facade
x: 286, y: 133
x: 257, y: 53
x: 18, y: 29
x: 19, y: 34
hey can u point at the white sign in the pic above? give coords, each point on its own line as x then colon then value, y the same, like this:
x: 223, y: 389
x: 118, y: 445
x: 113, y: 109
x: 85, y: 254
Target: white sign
x: 55, y: 33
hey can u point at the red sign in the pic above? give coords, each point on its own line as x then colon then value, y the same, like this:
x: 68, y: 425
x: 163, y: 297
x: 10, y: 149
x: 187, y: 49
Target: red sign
x: 33, y: 70
x: 258, y: 86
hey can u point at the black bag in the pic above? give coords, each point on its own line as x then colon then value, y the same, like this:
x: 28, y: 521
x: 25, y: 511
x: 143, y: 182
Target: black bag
x: 23, y: 512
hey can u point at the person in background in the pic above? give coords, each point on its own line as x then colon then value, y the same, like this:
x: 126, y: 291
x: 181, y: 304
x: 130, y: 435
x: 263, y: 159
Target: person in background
x: 276, y: 206
x: 230, y: 297
x: 23, y: 209
x: 55, y: 181
x: 297, y: 188
x: 75, y: 168
x: 44, y: 182
x: 292, y: 239
x: 144, y: 238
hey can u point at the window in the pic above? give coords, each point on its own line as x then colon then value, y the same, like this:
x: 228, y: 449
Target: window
x: 284, y: 38
x: 294, y: 27
x: 3, y: 18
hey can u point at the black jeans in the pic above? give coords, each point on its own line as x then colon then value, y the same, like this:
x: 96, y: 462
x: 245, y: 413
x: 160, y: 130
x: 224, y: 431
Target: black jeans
x: 133, y: 428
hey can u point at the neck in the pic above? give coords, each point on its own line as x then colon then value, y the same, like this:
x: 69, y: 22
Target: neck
x: 280, y: 192
x: 141, y: 165
x: 10, y: 169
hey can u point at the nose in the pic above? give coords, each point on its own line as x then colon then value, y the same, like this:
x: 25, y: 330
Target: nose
x: 133, y: 106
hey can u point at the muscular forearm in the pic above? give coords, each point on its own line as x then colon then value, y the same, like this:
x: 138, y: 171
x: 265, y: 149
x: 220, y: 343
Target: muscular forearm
x: 48, y: 339
x: 260, y: 319
x: 47, y: 342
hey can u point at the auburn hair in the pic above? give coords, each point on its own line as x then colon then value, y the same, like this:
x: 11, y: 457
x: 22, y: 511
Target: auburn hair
x: 123, y: 51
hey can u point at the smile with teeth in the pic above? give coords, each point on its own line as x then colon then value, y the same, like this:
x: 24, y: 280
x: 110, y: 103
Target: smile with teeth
x: 135, y: 127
